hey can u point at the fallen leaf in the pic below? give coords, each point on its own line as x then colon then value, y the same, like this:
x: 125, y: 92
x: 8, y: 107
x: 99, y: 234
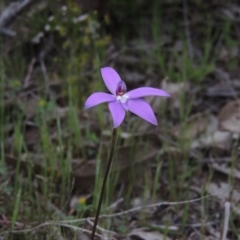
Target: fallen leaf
x: 210, y: 238
x: 32, y: 136
x: 218, y: 139
x: 212, y: 137
x: 197, y: 235
x: 28, y: 105
x: 81, y: 236
x: 224, y: 168
x: 223, y: 191
x: 212, y: 125
x: 221, y: 90
x: 123, y: 135
x: 229, y: 116
x: 223, y: 54
x: 175, y: 90
x: 125, y: 157
x: 60, y: 112
x: 195, y: 125
x: 214, y: 232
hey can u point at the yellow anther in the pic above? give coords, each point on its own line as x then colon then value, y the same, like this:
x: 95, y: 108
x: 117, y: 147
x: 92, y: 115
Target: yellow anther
x: 82, y: 200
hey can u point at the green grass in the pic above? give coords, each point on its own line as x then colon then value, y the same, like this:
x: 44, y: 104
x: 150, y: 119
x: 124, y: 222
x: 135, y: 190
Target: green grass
x: 76, y: 61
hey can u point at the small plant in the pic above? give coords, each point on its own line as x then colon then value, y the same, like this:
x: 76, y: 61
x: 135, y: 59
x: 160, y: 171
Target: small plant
x: 119, y: 102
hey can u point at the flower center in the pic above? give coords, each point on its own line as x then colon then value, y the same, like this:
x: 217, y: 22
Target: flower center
x: 120, y: 92
x: 121, y: 88
x: 122, y: 98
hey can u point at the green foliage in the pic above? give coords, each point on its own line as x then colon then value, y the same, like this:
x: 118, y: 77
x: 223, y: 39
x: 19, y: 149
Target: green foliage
x: 77, y: 52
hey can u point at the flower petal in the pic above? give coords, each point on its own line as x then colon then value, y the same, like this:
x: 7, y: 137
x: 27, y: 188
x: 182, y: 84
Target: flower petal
x: 97, y: 98
x: 125, y: 106
x: 147, y: 91
x: 141, y: 108
x: 118, y: 113
x: 110, y: 78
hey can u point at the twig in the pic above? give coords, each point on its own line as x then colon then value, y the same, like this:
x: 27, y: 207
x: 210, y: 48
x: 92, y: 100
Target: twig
x: 29, y: 72
x: 77, y: 228
x: 226, y: 220
x: 57, y: 233
x: 11, y: 11
x: 65, y: 223
x: 115, y: 204
x: 8, y: 32
x: 50, y: 224
x: 99, y: 228
x: 41, y: 57
x: 152, y: 206
x: 58, y: 213
x: 69, y: 194
x: 140, y: 208
x: 177, y: 226
x: 44, y: 72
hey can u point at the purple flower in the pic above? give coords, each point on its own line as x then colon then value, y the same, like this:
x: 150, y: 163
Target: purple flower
x: 121, y: 101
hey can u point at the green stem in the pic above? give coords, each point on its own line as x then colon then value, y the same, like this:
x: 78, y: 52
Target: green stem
x: 113, y: 145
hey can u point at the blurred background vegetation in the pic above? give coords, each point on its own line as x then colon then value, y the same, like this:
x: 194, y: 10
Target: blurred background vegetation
x: 53, y: 151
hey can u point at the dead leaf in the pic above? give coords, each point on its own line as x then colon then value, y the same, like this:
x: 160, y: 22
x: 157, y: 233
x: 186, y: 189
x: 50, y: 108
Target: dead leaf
x: 229, y: 117
x: 143, y: 235
x: 197, y: 235
x: 123, y: 135
x: 224, y: 168
x: 32, y: 136
x: 212, y: 125
x: 23, y: 163
x: 178, y: 46
x: 125, y: 157
x: 195, y: 125
x: 224, y: 191
x: 175, y: 90
x: 29, y: 106
x: 223, y: 54
x: 214, y: 232
x: 60, y: 112
x: 210, y: 238
x: 226, y: 86
x: 82, y: 236
x: 212, y: 137
x: 218, y: 139
x: 221, y: 90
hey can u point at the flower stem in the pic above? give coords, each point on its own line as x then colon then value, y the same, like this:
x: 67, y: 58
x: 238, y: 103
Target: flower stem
x: 113, y: 145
